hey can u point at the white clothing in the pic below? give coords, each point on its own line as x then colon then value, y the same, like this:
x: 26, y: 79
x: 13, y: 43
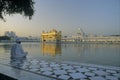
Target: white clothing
x: 17, y: 51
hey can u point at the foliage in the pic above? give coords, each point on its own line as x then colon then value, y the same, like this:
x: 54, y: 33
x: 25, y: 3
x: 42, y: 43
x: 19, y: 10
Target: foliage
x: 24, y: 7
x: 4, y: 38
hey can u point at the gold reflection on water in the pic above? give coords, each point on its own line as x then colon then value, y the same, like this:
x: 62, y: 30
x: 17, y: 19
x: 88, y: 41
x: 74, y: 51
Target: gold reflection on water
x: 51, y: 49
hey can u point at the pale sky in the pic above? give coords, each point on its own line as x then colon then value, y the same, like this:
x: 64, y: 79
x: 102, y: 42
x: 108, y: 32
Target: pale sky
x: 92, y: 16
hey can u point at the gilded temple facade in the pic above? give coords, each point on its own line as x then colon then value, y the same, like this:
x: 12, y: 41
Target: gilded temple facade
x: 51, y: 36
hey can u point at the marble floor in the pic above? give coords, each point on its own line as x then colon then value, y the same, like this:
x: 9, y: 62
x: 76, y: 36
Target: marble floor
x: 66, y: 70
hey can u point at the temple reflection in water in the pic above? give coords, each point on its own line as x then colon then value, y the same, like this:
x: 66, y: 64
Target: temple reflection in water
x: 51, y: 49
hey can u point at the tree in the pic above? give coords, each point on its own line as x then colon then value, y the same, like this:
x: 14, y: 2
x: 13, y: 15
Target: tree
x: 23, y: 7
x: 4, y: 38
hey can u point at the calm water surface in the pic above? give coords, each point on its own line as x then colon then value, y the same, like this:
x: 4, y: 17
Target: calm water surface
x: 101, y: 54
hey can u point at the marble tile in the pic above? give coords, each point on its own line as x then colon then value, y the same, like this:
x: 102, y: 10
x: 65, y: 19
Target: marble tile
x: 63, y: 64
x: 35, y: 61
x: 54, y: 65
x: 27, y: 69
x: 97, y: 78
x: 111, y: 71
x: 26, y: 63
x: 64, y: 77
x: 39, y: 72
x: 82, y: 70
x: 111, y: 78
x: 83, y: 79
x: 71, y: 71
x: 89, y: 74
x: 46, y: 69
x: 77, y: 75
x: 24, y: 66
x: 55, y: 76
x: 57, y: 68
x: 59, y: 72
x: 91, y: 68
x: 76, y: 66
x: 101, y: 73
x: 117, y: 75
x: 34, y: 66
x: 33, y: 70
x: 43, y: 63
x: 67, y: 67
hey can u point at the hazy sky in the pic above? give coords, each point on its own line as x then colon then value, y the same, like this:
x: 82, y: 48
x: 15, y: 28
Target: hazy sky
x: 93, y: 16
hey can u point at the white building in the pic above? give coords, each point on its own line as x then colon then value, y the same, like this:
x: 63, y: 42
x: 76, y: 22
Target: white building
x: 81, y: 37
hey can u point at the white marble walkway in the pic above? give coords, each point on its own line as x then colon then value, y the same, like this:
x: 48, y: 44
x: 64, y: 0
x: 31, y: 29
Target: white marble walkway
x: 68, y: 70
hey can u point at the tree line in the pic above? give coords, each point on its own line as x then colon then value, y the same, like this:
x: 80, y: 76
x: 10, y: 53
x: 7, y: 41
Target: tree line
x: 4, y: 38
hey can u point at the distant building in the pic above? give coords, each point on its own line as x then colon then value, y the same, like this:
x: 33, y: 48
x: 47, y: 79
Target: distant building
x: 10, y: 34
x: 82, y: 37
x: 102, y: 39
x: 29, y: 39
x: 51, y: 36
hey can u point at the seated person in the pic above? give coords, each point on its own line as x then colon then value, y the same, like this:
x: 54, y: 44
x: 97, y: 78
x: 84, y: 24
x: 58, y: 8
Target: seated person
x: 17, y: 50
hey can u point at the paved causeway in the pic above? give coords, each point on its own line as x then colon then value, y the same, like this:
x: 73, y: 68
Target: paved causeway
x: 67, y: 70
